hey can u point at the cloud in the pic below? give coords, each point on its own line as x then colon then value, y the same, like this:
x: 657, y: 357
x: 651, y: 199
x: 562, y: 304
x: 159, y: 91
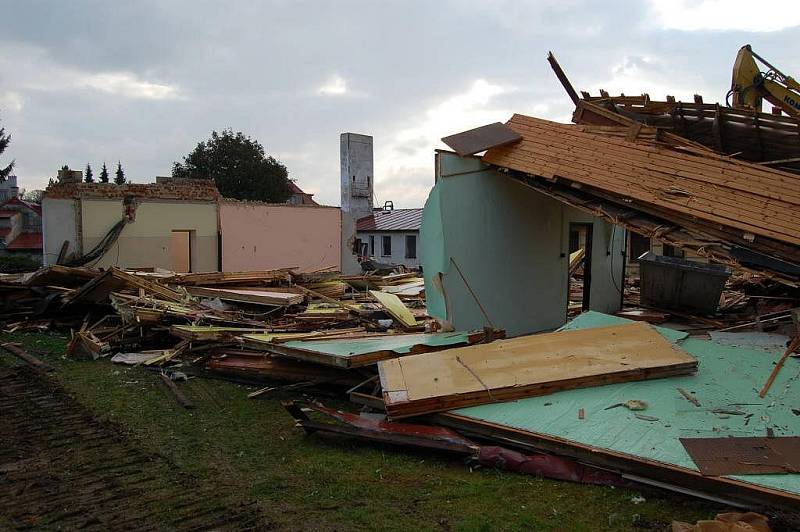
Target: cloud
x: 128, y: 85
x: 112, y: 87
x: 732, y: 15
x: 404, y: 165
x: 335, y: 86
x: 32, y: 69
x: 10, y: 101
x: 636, y: 75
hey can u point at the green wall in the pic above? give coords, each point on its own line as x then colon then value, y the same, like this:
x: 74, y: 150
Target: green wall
x: 508, y: 241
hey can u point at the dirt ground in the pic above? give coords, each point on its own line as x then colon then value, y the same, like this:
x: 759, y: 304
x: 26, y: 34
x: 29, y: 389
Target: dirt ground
x: 62, y: 468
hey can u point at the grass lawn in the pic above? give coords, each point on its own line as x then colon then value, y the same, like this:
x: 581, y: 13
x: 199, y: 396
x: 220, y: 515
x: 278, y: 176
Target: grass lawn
x: 252, y: 449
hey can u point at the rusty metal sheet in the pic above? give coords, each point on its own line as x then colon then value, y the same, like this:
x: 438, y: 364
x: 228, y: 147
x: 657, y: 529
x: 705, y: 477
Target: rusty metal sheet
x: 482, y: 138
x: 744, y: 456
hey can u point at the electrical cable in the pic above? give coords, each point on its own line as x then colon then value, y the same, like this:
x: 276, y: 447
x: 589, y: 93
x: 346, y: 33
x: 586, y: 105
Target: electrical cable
x: 102, y: 247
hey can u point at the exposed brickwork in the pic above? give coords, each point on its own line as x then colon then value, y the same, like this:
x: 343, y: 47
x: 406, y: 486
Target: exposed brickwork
x: 177, y: 189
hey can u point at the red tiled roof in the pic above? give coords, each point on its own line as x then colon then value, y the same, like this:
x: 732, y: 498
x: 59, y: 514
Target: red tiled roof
x: 297, y: 191
x: 7, y: 214
x: 35, y: 207
x: 4, y: 231
x: 26, y: 241
x: 394, y: 220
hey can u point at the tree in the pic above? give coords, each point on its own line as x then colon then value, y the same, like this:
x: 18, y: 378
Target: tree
x: 88, y: 175
x: 33, y: 196
x: 104, y: 174
x: 5, y: 140
x: 119, y: 175
x: 238, y: 166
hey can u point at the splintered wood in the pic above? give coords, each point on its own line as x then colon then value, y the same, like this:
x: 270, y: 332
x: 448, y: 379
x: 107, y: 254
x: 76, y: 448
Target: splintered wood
x: 528, y: 366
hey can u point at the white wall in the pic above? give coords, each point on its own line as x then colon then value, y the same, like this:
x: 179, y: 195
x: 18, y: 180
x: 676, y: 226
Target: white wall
x: 59, y: 223
x: 398, y: 255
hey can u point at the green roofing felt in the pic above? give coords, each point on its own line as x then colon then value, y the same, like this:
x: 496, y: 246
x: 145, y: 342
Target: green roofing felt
x: 399, y: 343
x: 728, y: 378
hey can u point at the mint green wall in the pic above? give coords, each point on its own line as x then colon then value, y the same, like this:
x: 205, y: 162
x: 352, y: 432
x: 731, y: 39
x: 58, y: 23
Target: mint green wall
x: 508, y: 241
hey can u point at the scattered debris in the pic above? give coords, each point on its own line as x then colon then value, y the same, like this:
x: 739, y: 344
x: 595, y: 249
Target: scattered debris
x: 689, y: 397
x: 727, y: 522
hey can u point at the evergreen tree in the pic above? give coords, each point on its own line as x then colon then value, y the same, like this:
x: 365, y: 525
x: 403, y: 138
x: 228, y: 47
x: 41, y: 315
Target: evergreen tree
x: 4, y: 142
x: 119, y: 175
x: 104, y: 174
x: 88, y: 176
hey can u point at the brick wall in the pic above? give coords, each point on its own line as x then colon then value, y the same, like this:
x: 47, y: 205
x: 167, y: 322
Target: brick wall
x: 174, y: 189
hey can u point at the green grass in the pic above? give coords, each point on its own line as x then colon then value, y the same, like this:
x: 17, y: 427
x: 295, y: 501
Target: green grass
x: 251, y: 448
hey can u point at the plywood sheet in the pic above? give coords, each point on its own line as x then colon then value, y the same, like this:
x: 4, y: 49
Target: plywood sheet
x: 528, y: 366
x: 744, y: 456
x: 482, y: 138
x: 395, y: 307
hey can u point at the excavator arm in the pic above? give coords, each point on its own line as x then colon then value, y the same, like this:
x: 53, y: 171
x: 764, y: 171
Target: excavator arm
x: 750, y: 85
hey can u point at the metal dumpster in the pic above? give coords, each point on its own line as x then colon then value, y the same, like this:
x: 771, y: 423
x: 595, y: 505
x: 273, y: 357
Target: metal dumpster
x: 673, y: 283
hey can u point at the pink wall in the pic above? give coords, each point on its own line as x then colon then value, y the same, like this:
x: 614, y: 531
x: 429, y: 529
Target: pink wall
x: 261, y: 236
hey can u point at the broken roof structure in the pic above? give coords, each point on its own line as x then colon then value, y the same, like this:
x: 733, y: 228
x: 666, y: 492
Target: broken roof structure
x: 656, y: 182
x: 752, y: 136
x: 720, y: 207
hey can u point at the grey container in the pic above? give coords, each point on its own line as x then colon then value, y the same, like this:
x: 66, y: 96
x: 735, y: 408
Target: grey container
x: 673, y: 283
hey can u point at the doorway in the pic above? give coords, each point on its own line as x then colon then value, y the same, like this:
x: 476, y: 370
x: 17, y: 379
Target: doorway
x: 181, y: 250
x: 579, y: 267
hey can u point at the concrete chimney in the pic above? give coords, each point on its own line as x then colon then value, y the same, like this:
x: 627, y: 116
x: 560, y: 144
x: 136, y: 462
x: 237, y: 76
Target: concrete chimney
x: 357, y: 185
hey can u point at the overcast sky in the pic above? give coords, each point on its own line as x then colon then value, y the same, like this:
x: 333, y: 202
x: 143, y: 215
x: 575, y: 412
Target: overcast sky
x: 143, y: 81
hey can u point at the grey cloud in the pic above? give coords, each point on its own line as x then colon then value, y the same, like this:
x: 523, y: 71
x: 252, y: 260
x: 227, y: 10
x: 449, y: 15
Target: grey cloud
x: 257, y: 66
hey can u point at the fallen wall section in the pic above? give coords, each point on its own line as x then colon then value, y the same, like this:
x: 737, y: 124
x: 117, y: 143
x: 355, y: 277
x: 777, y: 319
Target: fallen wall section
x: 511, y: 244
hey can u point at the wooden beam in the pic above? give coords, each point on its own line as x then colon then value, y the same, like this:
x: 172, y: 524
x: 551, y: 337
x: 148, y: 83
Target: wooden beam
x: 562, y: 78
x: 717, y: 129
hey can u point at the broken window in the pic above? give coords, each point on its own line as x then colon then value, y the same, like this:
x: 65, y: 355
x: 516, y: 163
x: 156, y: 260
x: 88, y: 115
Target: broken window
x: 372, y: 245
x: 672, y: 251
x: 386, y: 246
x: 639, y: 246
x: 411, y: 246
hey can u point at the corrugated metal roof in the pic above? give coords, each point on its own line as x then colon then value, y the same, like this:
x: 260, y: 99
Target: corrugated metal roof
x: 746, y: 197
x: 26, y: 241
x: 394, y: 220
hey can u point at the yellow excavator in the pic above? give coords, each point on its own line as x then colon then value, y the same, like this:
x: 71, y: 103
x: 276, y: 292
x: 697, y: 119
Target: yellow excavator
x: 750, y: 85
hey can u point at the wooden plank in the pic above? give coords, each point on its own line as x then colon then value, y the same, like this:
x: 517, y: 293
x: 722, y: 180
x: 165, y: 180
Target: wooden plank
x: 251, y: 295
x: 528, y: 366
x: 569, y: 154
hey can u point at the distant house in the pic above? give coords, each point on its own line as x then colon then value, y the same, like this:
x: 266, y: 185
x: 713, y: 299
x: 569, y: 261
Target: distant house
x: 391, y: 236
x: 21, y: 228
x: 299, y: 197
x: 9, y: 188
